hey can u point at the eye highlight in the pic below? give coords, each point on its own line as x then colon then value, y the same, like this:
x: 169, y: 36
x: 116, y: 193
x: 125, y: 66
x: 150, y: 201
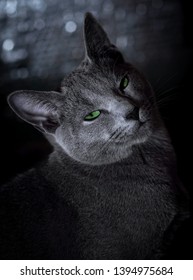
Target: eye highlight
x: 124, y: 83
x: 92, y: 116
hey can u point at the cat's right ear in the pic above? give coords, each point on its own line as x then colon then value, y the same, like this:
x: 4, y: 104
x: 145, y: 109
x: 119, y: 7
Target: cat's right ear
x: 41, y: 109
x: 98, y: 47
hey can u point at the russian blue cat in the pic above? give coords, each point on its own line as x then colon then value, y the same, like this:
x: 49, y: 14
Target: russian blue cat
x: 110, y: 188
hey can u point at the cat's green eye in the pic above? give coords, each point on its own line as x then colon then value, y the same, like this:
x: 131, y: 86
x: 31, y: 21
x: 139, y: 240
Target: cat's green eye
x: 92, y: 116
x: 124, y: 83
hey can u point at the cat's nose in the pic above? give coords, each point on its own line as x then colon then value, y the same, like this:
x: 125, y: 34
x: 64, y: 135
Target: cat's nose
x: 133, y: 115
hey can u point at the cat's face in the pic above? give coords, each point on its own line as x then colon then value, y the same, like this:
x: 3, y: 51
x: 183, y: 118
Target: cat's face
x: 105, y: 106
x: 105, y: 114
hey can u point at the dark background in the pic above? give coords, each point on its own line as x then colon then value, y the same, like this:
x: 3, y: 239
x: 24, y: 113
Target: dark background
x: 41, y: 41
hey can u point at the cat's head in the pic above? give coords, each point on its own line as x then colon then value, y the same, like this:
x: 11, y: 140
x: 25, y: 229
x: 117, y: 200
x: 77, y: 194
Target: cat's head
x: 105, y: 106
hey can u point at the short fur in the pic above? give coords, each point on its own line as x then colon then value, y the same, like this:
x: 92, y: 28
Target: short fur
x: 110, y: 189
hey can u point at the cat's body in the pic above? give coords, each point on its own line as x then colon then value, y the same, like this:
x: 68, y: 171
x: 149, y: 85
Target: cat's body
x: 110, y: 189
x: 62, y: 210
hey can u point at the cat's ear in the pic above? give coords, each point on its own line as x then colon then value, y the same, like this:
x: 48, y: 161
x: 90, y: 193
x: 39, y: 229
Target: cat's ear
x: 37, y: 108
x: 97, y: 44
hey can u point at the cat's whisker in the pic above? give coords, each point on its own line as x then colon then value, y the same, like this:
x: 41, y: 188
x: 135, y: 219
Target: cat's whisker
x: 166, y: 99
x: 163, y: 93
x: 159, y: 88
x: 166, y: 91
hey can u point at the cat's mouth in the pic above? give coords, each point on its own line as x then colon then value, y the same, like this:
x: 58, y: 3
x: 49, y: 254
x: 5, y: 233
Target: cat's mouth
x: 127, y: 131
x: 131, y: 132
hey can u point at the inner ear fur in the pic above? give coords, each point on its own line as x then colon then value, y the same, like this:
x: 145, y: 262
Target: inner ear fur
x: 38, y: 108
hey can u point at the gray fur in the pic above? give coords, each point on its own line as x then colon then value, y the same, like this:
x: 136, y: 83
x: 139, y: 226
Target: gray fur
x: 110, y: 189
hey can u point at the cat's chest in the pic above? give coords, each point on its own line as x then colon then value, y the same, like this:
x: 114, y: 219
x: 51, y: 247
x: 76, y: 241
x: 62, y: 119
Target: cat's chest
x: 115, y: 196
x: 113, y: 212
x: 86, y: 211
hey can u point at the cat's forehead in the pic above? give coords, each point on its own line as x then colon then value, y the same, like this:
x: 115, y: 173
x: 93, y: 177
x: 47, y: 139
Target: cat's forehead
x: 81, y: 83
x: 83, y: 90
x: 85, y: 79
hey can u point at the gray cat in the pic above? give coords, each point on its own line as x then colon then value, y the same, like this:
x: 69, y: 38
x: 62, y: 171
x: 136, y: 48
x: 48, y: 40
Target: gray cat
x: 109, y: 190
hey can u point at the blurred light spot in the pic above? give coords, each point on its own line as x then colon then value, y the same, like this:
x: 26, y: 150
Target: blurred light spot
x: 141, y: 9
x: 157, y: 3
x: 70, y: 26
x: 120, y: 14
x: 108, y: 8
x: 8, y: 45
x: 38, y: 5
x: 39, y: 24
x: 14, y: 56
x: 11, y: 7
x: 121, y: 42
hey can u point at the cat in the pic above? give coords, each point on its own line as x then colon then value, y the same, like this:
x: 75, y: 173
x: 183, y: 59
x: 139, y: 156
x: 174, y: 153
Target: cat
x: 109, y: 189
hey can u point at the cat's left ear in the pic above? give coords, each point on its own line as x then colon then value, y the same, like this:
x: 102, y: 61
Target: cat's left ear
x: 41, y: 109
x: 97, y: 44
